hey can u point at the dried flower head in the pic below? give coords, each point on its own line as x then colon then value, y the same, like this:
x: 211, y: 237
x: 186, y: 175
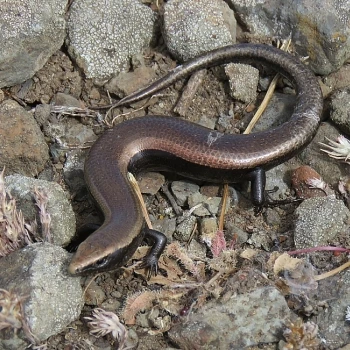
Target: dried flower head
x: 301, y: 336
x: 347, y: 316
x: 339, y: 149
x: 103, y: 322
x: 11, y: 313
x: 13, y: 232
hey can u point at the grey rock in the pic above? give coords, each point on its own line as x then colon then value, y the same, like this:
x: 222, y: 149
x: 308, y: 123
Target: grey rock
x: 31, y: 31
x: 62, y: 216
x: 150, y: 182
x: 185, y: 228
x: 22, y: 144
x: 340, y: 110
x: 207, y: 122
x: 232, y: 232
x: 245, y: 320
x: 166, y: 226
x: 73, y: 172
x: 261, y: 239
x: 272, y: 217
x: 69, y: 133
x: 331, y: 170
x: 102, y: 39
x: 182, y: 190
x: 208, y: 205
x: 278, y: 111
x: 42, y: 113
x: 127, y: 82
x: 192, y: 27
x: 52, y: 299
x: 278, y: 180
x: 243, y: 81
x: 225, y: 123
x: 319, y: 220
x: 208, y: 228
x: 307, y: 22
x: 337, y: 80
x: 61, y: 99
x: 331, y: 321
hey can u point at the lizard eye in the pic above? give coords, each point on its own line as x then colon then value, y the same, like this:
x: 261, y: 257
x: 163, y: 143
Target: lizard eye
x: 101, y: 262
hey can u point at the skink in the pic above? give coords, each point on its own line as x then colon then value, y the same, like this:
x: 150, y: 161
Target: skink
x: 162, y: 143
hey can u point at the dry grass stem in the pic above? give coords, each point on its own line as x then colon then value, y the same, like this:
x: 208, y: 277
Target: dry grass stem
x: 268, y: 96
x: 41, y: 201
x: 136, y: 188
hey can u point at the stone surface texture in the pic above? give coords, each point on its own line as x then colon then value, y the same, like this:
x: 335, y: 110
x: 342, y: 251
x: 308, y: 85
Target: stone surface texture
x: 103, y: 37
x: 31, y: 31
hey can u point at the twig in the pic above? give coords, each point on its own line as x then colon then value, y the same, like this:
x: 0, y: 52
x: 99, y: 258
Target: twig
x: 189, y: 91
x: 317, y: 249
x: 223, y: 208
x: 136, y: 188
x: 268, y: 95
x: 332, y: 272
x: 171, y: 199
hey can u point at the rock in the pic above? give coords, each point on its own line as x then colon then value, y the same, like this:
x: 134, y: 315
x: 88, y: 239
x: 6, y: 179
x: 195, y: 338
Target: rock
x: 127, y: 82
x: 74, y: 174
x: 208, y: 205
x: 249, y: 319
x: 331, y: 320
x: 319, y: 220
x: 277, y: 178
x: 331, y: 170
x: 150, y: 182
x: 192, y: 27
x: 340, y: 110
x: 31, y: 31
x: 207, y: 122
x: 51, y: 298
x: 166, y: 226
x: 306, y: 24
x: 184, y: 228
x: 102, y: 39
x: 208, y: 229
x: 23, y: 147
x: 278, y: 111
x: 232, y: 232
x: 62, y: 226
x: 61, y: 99
x: 261, y: 239
x: 69, y: 133
x: 182, y: 190
x: 42, y: 113
x: 300, y: 178
x: 243, y: 81
x: 211, y: 190
x: 339, y: 79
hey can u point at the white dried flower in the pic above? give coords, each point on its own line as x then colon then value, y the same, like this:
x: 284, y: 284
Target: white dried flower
x: 339, y: 149
x: 103, y: 322
x: 316, y: 183
x: 347, y: 316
